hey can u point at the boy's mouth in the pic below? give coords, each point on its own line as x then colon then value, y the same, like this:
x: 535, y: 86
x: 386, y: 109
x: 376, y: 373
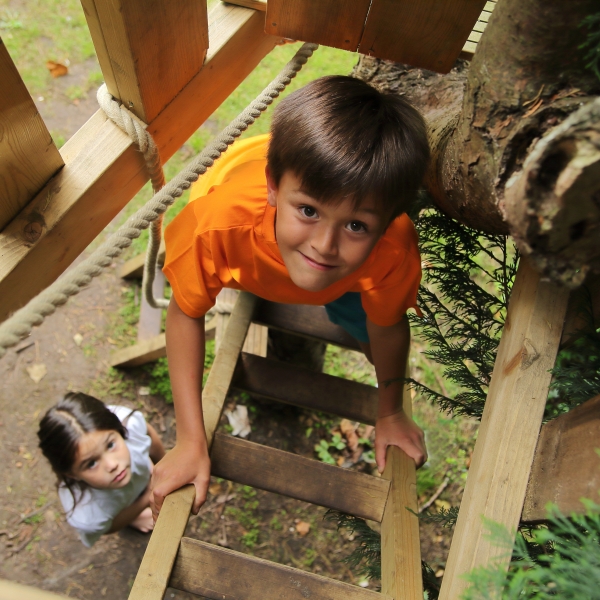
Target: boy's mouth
x: 120, y: 476
x: 317, y: 265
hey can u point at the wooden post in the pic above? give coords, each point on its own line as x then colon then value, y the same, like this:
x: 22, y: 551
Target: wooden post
x: 148, y: 50
x: 150, y: 322
x: 400, y: 544
x: 510, y: 426
x: 28, y: 156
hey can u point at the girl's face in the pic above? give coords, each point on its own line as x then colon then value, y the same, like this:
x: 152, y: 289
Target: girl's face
x: 102, y: 460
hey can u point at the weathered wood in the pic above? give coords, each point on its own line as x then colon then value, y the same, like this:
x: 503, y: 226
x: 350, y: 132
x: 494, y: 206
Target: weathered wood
x: 15, y: 591
x: 582, y: 301
x: 291, y: 475
x: 307, y: 321
x: 148, y: 51
x: 255, y: 4
x: 279, y: 381
x: 200, y: 569
x: 327, y: 22
x: 427, y: 34
x: 566, y: 466
x: 134, y: 267
x: 103, y: 170
x: 510, y: 426
x: 155, y: 570
x: 400, y: 544
x: 150, y: 322
x: 28, y: 156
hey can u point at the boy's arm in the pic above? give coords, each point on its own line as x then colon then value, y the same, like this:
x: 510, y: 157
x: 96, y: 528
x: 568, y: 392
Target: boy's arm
x: 188, y: 461
x: 389, y: 349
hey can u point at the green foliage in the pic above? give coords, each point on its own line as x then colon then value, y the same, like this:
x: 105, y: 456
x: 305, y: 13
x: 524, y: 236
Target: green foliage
x: 592, y: 43
x: 444, y: 517
x: 468, y: 276
x: 566, y: 566
x: 322, y: 448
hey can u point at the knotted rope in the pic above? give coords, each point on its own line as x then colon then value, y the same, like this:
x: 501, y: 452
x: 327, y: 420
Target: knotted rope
x: 36, y: 310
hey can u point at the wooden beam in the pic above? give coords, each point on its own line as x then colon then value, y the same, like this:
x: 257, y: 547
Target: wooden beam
x: 327, y: 22
x: 103, y: 171
x: 297, y: 477
x: 28, y: 156
x: 15, y: 591
x: 150, y: 322
x: 148, y: 51
x: 279, y: 381
x: 510, y: 426
x: 401, y: 575
x: 255, y: 4
x: 566, y: 467
x: 306, y: 321
x: 155, y: 570
x: 429, y: 34
x: 200, y: 569
x: 134, y: 267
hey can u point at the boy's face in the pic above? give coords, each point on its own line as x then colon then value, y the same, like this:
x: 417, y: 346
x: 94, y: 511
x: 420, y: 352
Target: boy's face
x: 321, y: 243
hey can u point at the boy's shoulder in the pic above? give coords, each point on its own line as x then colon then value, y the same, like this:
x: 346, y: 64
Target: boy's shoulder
x: 402, y: 235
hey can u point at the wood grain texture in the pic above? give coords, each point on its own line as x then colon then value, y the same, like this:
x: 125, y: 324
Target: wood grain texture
x: 279, y: 381
x: 426, y: 33
x: 401, y: 576
x: 510, y: 426
x: 28, y: 156
x: 148, y: 49
x: 15, y: 591
x: 220, y: 573
x: 307, y: 321
x: 255, y: 4
x: 327, y: 22
x: 297, y: 477
x: 566, y: 466
x: 103, y: 171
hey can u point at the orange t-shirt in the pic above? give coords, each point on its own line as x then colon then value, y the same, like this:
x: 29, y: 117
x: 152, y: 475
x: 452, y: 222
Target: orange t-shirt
x: 227, y: 239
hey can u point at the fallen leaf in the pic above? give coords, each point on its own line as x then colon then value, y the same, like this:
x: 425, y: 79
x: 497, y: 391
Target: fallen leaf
x: 37, y: 371
x: 302, y: 527
x: 57, y: 69
x: 348, y: 429
x: 215, y: 489
x: 443, y: 504
x: 143, y: 391
x: 225, y: 498
x: 439, y: 573
x: 78, y: 338
x: 238, y: 419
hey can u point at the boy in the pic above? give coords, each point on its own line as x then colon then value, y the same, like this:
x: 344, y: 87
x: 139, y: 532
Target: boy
x: 322, y: 222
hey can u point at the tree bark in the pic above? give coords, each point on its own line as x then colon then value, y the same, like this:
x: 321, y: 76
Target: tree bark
x: 515, y: 136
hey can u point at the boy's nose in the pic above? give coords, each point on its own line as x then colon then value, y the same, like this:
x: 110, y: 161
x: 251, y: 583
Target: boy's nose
x: 325, y: 242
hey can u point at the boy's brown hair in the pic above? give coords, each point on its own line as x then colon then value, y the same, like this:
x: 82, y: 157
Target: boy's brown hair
x: 344, y: 139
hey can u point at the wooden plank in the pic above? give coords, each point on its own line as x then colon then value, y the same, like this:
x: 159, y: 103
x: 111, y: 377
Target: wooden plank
x: 148, y: 51
x: 15, y: 591
x: 506, y: 441
x: 429, y: 34
x: 327, y: 22
x: 400, y: 544
x: 103, y: 170
x: 279, y: 381
x: 306, y: 321
x: 28, y: 156
x: 566, y: 467
x: 150, y: 322
x: 220, y: 573
x: 255, y: 4
x: 134, y: 267
x: 148, y: 350
x: 155, y: 570
x: 302, y: 478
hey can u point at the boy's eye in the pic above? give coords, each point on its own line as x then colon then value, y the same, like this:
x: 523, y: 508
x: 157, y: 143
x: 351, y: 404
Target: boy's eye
x: 91, y: 464
x: 356, y: 226
x: 110, y: 445
x: 308, y: 211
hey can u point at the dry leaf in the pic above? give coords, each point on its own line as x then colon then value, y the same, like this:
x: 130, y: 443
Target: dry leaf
x: 215, y: 489
x: 37, y: 371
x: 56, y: 69
x: 238, y: 419
x: 302, y: 527
x: 443, y: 504
x: 78, y: 338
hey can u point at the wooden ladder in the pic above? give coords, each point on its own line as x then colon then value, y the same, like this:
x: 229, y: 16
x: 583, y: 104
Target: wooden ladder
x: 198, y: 567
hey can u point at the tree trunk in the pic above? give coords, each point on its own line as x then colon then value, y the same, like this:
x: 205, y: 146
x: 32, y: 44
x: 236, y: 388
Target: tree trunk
x: 516, y: 136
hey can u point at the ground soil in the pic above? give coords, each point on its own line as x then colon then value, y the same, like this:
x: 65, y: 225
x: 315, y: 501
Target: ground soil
x: 39, y: 548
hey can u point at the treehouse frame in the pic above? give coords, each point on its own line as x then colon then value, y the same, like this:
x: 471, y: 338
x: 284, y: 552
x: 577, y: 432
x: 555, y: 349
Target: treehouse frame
x: 156, y: 59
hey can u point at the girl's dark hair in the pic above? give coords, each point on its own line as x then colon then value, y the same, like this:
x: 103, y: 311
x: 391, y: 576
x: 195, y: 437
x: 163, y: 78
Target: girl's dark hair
x: 345, y: 139
x: 62, y: 427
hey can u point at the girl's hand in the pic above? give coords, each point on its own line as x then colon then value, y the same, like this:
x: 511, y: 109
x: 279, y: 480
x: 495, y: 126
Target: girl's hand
x: 400, y: 430
x: 180, y: 466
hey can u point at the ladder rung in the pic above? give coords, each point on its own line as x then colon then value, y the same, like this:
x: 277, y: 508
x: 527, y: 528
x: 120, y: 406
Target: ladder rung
x: 301, y: 387
x: 220, y: 573
x: 298, y: 477
x: 306, y: 321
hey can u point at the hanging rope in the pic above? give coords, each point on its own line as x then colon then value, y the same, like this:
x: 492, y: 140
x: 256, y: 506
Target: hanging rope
x: 21, y: 323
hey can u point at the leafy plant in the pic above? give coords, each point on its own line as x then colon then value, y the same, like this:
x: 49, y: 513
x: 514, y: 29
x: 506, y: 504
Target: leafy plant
x: 592, y: 43
x: 322, y: 448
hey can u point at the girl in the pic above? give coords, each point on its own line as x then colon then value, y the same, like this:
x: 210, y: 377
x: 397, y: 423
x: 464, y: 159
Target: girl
x: 103, y: 458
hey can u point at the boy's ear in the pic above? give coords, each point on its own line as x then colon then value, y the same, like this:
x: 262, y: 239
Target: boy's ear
x: 271, y: 188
